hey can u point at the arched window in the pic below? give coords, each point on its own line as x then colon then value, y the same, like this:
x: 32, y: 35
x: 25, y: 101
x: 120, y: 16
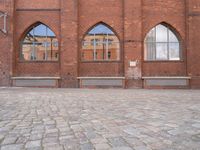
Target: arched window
x: 100, y: 44
x: 40, y: 44
x: 162, y: 44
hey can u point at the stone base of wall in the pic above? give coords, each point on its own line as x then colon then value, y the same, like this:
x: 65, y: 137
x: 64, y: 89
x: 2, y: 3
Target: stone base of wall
x: 166, y: 82
x: 101, y: 82
x: 36, y: 81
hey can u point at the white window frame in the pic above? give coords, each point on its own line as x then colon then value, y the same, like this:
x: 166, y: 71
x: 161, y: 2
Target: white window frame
x: 146, y: 43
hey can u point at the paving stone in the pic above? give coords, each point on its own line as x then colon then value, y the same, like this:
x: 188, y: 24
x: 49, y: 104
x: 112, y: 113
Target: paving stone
x: 196, y: 125
x: 132, y: 131
x: 50, y: 140
x: 33, y: 144
x: 9, y: 140
x: 1, y: 137
x: 196, y: 137
x: 90, y: 134
x: 141, y: 148
x: 98, y: 140
x: 174, y: 132
x: 54, y: 147
x: 87, y: 146
x: 37, y: 136
x: 51, y: 135
x: 35, y: 148
x: 74, y: 119
x: 22, y: 139
x: 122, y: 148
x: 12, y: 147
x: 102, y: 146
x: 117, y: 142
x: 68, y: 140
x: 71, y: 146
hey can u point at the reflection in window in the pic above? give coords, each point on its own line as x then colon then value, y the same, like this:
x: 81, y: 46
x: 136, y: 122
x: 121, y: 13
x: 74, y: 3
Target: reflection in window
x: 40, y: 44
x: 100, y: 44
x: 162, y: 44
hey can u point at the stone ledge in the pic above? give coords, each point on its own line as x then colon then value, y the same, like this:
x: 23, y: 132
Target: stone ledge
x: 109, y: 78
x: 35, y: 81
x: 101, y: 81
x: 167, y: 77
x: 35, y: 78
x: 167, y: 81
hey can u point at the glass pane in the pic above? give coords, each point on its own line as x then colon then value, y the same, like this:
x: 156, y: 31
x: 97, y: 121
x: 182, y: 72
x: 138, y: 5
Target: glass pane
x: 86, y: 44
x: 145, y: 51
x: 87, y: 54
x: 39, y: 51
x: 109, y: 55
x: 50, y: 41
x: 151, y: 36
x: 172, y: 37
x: 161, y: 51
x: 54, y: 53
x: 87, y: 51
x: 100, y: 51
x: 174, y: 53
x: 150, y: 50
x: 49, y: 49
x: 161, y: 34
x: 99, y: 40
x: 40, y: 39
x: 113, y: 51
x: 101, y: 29
x: 95, y: 42
x: 113, y: 38
x: 26, y: 51
x: 50, y: 33
x: 110, y: 41
x: 29, y: 37
x: 40, y: 31
x: 31, y: 33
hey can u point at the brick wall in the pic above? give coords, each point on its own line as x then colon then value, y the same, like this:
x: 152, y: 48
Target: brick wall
x: 6, y: 44
x: 173, y: 13
x: 69, y: 44
x: 111, y: 13
x: 26, y: 15
x: 193, y: 42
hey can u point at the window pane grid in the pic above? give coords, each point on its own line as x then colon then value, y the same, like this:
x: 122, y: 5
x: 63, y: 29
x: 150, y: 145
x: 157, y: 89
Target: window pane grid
x: 43, y: 45
x: 162, y: 42
x: 163, y: 45
x: 102, y: 44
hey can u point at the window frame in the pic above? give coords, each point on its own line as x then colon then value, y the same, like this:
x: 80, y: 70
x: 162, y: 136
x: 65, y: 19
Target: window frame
x: 21, y: 42
x: 169, y: 28
x: 107, y: 44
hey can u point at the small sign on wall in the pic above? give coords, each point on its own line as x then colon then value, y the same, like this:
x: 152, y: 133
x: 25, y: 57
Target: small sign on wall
x: 133, y: 63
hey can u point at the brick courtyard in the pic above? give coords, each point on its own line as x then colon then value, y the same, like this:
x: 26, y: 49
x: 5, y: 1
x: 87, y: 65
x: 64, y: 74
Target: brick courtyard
x: 99, y: 119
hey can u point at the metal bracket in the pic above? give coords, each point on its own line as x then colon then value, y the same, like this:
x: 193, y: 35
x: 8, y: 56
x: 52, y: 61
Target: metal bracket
x: 4, y: 15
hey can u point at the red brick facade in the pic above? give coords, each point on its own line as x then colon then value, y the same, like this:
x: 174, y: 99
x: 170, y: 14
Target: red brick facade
x: 131, y: 20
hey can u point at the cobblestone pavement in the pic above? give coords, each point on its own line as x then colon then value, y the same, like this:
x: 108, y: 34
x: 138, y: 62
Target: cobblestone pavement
x: 100, y: 119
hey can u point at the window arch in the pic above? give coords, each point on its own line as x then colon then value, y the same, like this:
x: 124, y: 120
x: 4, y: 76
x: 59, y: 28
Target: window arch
x: 40, y: 44
x: 100, y: 44
x: 161, y: 43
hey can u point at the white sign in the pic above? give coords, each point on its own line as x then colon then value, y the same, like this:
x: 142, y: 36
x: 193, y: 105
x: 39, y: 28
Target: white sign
x: 133, y: 63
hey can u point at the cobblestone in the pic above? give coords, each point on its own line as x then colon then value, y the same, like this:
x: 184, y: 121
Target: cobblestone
x: 33, y: 144
x: 99, y: 119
